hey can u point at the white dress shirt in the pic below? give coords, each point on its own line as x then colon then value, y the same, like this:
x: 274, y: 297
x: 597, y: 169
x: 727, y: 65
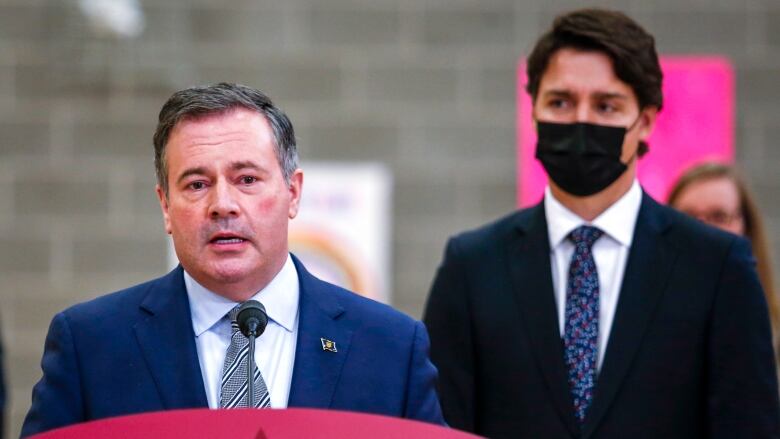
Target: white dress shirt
x: 610, y: 253
x: 274, y: 349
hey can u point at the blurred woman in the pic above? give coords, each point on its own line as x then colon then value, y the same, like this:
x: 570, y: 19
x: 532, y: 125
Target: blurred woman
x: 716, y: 194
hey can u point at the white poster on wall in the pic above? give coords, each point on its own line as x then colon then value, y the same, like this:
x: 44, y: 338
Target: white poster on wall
x: 342, y: 231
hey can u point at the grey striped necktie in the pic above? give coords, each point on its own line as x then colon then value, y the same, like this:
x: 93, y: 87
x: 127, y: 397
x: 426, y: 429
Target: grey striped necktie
x: 235, y: 387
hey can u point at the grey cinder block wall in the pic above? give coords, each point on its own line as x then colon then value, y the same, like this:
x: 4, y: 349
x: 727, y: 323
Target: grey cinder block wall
x: 425, y: 86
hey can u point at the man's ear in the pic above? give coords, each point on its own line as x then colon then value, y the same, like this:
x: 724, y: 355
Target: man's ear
x: 164, y: 206
x: 295, y: 189
x: 647, y: 121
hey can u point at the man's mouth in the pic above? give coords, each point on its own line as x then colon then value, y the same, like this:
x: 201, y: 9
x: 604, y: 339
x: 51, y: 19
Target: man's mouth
x: 226, y: 239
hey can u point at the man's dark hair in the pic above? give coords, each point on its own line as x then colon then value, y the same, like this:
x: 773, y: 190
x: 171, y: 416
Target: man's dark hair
x: 195, y: 102
x: 629, y: 46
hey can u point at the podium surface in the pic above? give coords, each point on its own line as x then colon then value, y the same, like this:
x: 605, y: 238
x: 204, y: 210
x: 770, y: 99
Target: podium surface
x: 254, y: 424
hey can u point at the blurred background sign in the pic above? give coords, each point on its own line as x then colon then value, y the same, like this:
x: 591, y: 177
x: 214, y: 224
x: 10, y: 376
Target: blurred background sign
x: 695, y: 124
x: 342, y: 232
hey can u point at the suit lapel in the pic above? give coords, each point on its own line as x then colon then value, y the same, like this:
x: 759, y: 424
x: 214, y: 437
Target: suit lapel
x: 647, y: 270
x: 317, y: 371
x: 167, y: 341
x: 528, y: 251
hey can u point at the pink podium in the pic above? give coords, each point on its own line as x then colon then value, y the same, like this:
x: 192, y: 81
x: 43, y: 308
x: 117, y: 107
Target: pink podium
x: 254, y: 424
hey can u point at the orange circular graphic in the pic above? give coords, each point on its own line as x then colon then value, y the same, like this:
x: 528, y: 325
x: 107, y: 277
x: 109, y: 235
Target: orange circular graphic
x: 331, y: 258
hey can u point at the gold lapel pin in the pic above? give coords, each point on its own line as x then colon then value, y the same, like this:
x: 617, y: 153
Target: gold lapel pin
x: 328, y: 345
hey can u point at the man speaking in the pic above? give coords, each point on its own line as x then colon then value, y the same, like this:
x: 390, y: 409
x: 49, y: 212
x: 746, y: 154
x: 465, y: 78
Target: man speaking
x: 228, y: 184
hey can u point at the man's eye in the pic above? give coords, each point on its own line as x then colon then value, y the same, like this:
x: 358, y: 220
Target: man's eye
x: 197, y: 185
x: 248, y: 179
x: 607, y: 108
x: 558, y: 103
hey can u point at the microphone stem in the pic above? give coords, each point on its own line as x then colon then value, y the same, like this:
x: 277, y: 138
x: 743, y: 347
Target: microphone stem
x: 251, y: 371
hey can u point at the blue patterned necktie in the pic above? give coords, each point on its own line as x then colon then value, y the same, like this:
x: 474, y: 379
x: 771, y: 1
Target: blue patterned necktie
x: 581, y: 332
x: 235, y: 386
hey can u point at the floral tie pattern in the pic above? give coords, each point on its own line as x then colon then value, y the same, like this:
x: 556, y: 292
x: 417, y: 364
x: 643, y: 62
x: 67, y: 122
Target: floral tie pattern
x: 582, y: 319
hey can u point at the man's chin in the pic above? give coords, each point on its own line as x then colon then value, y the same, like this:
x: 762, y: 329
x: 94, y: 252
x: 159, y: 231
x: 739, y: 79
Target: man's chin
x: 230, y: 274
x: 234, y: 283
x: 224, y: 272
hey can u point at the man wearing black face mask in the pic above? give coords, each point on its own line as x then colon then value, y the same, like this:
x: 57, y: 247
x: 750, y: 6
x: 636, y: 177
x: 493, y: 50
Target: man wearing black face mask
x: 599, y: 313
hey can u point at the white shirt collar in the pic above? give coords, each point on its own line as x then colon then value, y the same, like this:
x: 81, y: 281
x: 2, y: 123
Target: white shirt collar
x: 280, y: 298
x: 618, y: 221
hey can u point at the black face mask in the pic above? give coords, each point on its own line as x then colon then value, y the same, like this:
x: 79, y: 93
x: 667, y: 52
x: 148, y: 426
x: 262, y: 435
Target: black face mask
x: 581, y: 158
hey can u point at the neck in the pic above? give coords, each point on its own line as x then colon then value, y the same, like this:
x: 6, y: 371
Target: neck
x: 591, y: 206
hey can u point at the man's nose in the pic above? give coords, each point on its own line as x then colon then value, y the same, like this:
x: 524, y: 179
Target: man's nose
x: 223, y: 202
x: 582, y: 113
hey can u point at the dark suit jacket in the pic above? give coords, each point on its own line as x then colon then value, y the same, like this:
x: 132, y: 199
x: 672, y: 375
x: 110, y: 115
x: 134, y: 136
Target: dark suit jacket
x: 689, y: 354
x: 134, y: 351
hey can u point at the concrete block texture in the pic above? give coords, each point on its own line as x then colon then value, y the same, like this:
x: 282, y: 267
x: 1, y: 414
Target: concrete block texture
x: 216, y: 24
x: 426, y: 87
x: 283, y: 77
x: 773, y: 28
x: 24, y: 22
x: 357, y: 140
x: 708, y: 30
x: 139, y: 253
x: 60, y: 197
x: 112, y: 139
x: 407, y: 81
x: 475, y: 25
x: 24, y: 254
x: 21, y: 137
x: 758, y: 86
x: 340, y: 25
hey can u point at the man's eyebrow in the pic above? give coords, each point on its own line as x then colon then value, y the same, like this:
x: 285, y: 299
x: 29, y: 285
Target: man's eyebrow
x: 191, y: 171
x: 560, y: 93
x: 597, y: 95
x: 610, y: 95
x: 245, y: 164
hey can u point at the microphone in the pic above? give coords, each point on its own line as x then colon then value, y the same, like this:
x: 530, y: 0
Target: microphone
x: 252, y: 320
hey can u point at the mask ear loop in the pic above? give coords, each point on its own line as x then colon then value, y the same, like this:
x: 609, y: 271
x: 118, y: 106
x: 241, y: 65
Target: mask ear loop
x: 634, y: 124
x: 631, y: 127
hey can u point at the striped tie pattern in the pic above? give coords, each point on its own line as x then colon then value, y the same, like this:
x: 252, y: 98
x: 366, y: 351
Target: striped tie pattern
x: 235, y: 386
x: 582, y: 319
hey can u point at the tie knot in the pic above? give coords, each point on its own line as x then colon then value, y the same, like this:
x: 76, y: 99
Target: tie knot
x: 585, y: 235
x: 232, y: 315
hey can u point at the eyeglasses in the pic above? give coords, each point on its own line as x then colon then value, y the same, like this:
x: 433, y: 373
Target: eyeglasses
x: 717, y: 217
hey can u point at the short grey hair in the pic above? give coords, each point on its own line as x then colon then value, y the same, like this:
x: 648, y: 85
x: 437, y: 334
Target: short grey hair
x: 206, y: 100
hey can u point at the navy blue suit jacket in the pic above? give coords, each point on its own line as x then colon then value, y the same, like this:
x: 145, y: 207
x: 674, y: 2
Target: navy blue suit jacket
x: 689, y: 353
x: 134, y: 351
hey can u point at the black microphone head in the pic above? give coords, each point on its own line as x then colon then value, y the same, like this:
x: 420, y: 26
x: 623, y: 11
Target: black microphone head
x: 251, y: 318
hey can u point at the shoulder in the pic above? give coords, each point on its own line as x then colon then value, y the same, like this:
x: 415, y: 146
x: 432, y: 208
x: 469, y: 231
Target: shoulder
x: 366, y: 311
x: 695, y: 236
x: 697, y: 245
x: 319, y: 297
x: 117, y: 306
x: 378, y: 331
x: 487, y: 238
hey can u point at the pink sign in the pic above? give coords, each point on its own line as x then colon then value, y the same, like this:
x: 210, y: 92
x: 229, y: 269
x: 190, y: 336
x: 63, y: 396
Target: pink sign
x: 695, y: 124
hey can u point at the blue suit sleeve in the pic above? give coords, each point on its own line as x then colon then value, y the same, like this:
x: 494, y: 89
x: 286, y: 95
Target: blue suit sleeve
x: 422, y: 403
x: 743, y: 392
x: 56, y: 398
